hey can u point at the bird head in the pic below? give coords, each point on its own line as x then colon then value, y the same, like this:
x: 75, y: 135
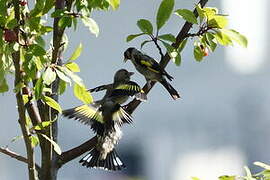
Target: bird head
x: 128, y: 53
x: 122, y: 75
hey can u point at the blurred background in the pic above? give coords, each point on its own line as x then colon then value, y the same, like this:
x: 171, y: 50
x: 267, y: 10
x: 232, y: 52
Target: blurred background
x: 220, y: 124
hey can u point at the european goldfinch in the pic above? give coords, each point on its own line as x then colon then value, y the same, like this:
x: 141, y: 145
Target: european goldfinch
x: 151, y: 70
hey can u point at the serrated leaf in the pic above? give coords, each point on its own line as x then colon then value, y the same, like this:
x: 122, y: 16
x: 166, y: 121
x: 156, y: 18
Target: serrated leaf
x: 49, y: 76
x: 56, y: 147
x: 236, y: 36
x: 133, y: 36
x: 82, y: 94
x: 164, y: 12
x: 167, y: 37
x: 145, y: 26
x: 62, y: 76
x: 43, y: 125
x: 73, y: 67
x: 34, y: 140
x: 76, y: 53
x: 91, y: 24
x: 114, y: 3
x: 52, y: 103
x: 187, y: 15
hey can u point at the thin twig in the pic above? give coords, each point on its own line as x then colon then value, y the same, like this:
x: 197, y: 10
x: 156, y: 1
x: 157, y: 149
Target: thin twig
x: 16, y: 156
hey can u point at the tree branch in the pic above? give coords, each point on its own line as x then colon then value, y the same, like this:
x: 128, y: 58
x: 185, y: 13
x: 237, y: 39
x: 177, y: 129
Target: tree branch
x: 76, y: 152
x: 20, y: 104
x: 16, y: 156
x: 165, y: 60
x: 79, y: 150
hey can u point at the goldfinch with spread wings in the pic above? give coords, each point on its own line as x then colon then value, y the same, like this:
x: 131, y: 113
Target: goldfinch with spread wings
x: 105, y: 118
x: 122, y: 88
x: 151, y: 70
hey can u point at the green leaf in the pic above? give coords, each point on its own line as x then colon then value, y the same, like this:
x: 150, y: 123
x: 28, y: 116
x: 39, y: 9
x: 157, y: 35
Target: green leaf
x: 62, y: 87
x: 182, y: 45
x: 168, y: 47
x: 236, y: 36
x: 195, y: 178
x: 222, y: 38
x: 43, y: 125
x: 37, y: 11
x: 52, y: 103
x: 145, y: 26
x: 133, y: 36
x: 65, y: 22
x: 37, y: 50
x: 16, y: 138
x: 40, y: 41
x: 114, y: 3
x: 73, y: 67
x: 167, y: 37
x: 210, y: 41
x: 3, y: 86
x: 56, y: 147
x: 249, y: 175
x: 38, y: 88
x: 145, y: 42
x: 34, y: 140
x: 91, y: 24
x: 76, y: 53
x: 62, y: 76
x: 49, y: 4
x: 164, y: 12
x: 48, y: 76
x: 218, y: 21
x: 225, y: 177
x: 177, y: 59
x: 198, y: 54
x: 187, y: 15
x: 75, y: 22
x: 73, y: 76
x: 58, y: 13
x: 200, y: 12
x: 263, y: 165
x: 12, y: 24
x: 82, y: 94
x: 210, y: 12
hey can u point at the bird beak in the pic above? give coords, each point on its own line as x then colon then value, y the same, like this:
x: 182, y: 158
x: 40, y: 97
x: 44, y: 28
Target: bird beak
x: 130, y: 73
x: 125, y: 59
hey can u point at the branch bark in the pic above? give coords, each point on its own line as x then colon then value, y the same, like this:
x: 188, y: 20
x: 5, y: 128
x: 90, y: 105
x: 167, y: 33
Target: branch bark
x: 20, y: 104
x: 16, y: 156
x: 79, y: 150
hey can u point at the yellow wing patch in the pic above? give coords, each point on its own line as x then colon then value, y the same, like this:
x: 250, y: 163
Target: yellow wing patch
x: 148, y: 64
x: 89, y: 112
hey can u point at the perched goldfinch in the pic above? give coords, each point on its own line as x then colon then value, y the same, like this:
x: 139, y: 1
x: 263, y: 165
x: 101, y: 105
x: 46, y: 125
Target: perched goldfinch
x: 151, y: 70
x: 122, y: 88
x: 105, y: 118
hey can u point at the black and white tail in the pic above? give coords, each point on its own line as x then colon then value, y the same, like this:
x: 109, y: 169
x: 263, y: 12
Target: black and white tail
x: 170, y: 89
x: 93, y: 159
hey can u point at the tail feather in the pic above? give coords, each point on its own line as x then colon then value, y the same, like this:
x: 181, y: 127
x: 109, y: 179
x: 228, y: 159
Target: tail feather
x: 170, y: 89
x: 112, y: 161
